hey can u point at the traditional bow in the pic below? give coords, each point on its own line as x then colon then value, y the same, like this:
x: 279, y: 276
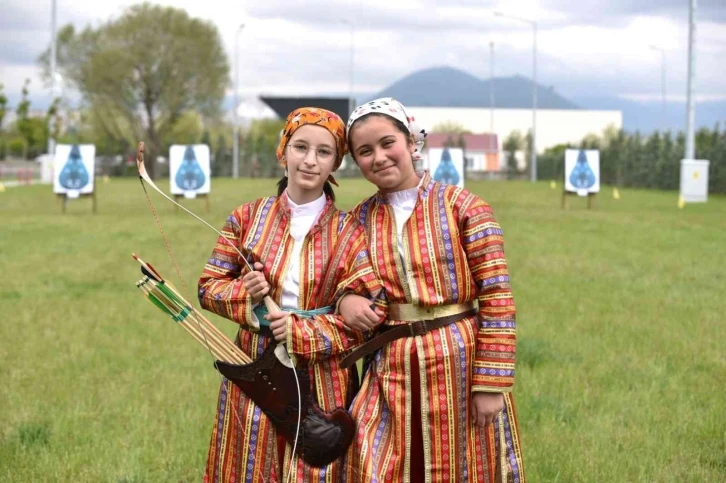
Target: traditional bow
x: 168, y: 298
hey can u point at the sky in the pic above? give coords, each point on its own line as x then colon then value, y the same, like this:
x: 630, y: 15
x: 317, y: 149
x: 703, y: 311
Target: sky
x: 585, y: 49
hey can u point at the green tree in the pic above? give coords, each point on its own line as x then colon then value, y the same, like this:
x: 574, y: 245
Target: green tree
x: 260, y: 143
x: 32, y: 130
x: 143, y: 70
x: 637, y: 161
x: 222, y: 158
x: 455, y: 140
x: 612, y: 155
x: 669, y: 168
x: 450, y: 127
x: 711, y: 145
x: 652, y: 157
x: 3, y: 111
x: 22, y: 122
x: 16, y: 146
x: 527, y: 148
x: 591, y: 141
x: 551, y: 163
x: 3, y: 106
x: 188, y: 130
x: 512, y: 144
x: 207, y: 139
x: 52, y: 118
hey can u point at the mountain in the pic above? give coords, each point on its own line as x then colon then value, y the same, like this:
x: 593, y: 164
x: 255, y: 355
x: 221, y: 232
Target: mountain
x: 449, y: 87
x: 647, y: 117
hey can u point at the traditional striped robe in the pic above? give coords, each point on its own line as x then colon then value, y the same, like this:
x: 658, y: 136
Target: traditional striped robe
x: 334, y: 260
x: 453, y: 253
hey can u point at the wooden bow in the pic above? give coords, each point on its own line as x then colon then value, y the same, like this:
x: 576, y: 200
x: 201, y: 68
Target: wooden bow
x: 282, y: 354
x: 144, y: 177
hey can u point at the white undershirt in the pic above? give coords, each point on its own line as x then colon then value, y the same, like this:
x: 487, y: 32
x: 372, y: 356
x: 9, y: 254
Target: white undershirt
x: 302, y: 219
x: 403, y: 203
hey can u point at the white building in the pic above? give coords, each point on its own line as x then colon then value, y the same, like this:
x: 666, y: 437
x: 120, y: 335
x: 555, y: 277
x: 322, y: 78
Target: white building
x: 554, y: 126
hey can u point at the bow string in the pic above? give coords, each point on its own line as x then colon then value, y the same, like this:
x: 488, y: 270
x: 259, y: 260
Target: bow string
x: 164, y: 296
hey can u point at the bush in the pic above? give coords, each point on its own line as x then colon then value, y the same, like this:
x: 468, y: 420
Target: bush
x: 633, y: 160
x: 17, y: 147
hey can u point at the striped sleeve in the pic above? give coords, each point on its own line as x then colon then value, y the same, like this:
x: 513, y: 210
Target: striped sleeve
x: 483, y: 243
x: 319, y: 337
x: 220, y: 287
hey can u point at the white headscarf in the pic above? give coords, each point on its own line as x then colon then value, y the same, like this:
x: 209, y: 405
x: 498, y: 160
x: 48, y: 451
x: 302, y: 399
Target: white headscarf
x: 391, y: 107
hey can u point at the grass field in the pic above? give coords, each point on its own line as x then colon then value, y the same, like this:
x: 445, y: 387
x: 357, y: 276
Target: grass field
x: 621, y: 316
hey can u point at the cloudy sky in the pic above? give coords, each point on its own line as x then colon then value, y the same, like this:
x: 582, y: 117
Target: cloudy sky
x: 593, y: 48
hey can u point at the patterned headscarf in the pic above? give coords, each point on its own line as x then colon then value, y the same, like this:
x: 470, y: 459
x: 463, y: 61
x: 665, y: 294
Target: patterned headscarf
x: 318, y: 117
x: 391, y: 107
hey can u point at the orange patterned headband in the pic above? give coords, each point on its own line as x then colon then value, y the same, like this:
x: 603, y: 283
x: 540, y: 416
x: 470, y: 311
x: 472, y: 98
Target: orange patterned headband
x: 318, y: 117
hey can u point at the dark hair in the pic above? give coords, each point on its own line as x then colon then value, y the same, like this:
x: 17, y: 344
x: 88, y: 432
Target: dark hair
x: 396, y: 123
x: 327, y: 188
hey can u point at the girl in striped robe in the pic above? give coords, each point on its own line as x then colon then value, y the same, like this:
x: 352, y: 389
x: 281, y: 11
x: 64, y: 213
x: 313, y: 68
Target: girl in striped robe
x: 307, y: 254
x: 436, y: 403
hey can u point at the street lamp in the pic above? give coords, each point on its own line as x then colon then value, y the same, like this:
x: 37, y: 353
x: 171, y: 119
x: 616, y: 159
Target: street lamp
x: 491, y: 87
x: 51, y: 119
x: 690, y: 108
x: 351, y: 72
x: 235, y: 119
x: 663, y: 80
x: 533, y: 155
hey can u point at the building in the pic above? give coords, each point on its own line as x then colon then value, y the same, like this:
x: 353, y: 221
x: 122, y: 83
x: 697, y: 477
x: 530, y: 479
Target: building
x: 554, y: 126
x: 285, y: 105
x: 481, y: 151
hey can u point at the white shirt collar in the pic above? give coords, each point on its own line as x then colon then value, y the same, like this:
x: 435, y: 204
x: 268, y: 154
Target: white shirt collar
x: 403, y: 196
x: 308, y: 209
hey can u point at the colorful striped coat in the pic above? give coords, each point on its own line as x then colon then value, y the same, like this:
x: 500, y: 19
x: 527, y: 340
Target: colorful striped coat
x: 334, y: 260
x: 453, y: 253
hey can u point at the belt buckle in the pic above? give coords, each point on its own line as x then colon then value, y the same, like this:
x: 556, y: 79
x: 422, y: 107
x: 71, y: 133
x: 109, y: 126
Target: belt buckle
x: 417, y: 328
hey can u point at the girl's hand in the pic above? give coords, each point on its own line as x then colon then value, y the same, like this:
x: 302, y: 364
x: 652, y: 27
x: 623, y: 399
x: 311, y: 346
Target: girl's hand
x: 359, y: 313
x: 485, y: 406
x: 256, y: 284
x: 278, y: 324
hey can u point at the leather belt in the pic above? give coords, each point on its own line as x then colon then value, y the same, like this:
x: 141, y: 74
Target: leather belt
x: 423, y: 320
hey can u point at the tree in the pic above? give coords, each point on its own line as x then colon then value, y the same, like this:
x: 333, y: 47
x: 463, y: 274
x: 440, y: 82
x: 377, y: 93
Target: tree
x: 527, y: 148
x: 52, y: 118
x: 3, y: 111
x: 142, y: 71
x: 207, y: 139
x: 187, y: 130
x: 221, y: 158
x: 261, y: 143
x: 511, y: 145
x: 26, y: 126
x: 3, y: 106
x: 637, y: 161
x: 450, y: 127
x: 612, y: 155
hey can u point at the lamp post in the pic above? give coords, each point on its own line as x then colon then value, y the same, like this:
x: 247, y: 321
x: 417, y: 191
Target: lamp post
x: 235, y: 115
x: 351, y: 68
x: 491, y: 87
x: 51, y: 119
x: 690, y: 108
x: 533, y: 156
x: 663, y: 81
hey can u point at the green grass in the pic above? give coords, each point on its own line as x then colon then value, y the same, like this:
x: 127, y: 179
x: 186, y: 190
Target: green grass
x: 621, y: 357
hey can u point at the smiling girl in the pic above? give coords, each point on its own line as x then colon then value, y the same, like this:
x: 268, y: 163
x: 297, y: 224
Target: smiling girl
x: 307, y: 254
x: 436, y: 402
